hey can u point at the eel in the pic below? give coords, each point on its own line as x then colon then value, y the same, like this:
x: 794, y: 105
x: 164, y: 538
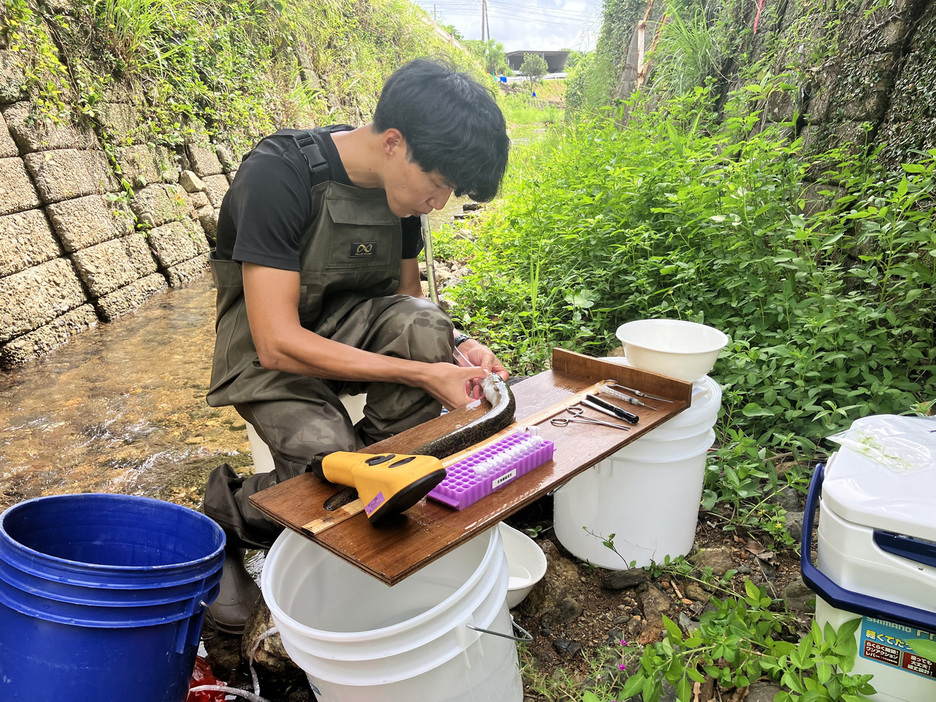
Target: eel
x: 501, y: 415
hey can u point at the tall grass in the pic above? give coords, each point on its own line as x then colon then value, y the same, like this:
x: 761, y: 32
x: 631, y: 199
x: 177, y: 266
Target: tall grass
x: 687, y: 53
x: 830, y: 312
x: 135, y: 30
x: 523, y: 109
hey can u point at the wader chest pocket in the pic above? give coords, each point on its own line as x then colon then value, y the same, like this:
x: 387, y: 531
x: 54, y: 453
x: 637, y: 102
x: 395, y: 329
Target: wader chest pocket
x: 362, y: 235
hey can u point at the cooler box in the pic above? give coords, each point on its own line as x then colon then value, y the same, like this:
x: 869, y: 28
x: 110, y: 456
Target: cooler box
x: 876, y: 549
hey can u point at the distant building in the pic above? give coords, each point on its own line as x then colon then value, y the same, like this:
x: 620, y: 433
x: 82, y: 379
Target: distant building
x: 555, y: 60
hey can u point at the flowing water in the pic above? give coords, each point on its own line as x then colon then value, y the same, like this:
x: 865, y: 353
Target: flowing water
x: 121, y: 408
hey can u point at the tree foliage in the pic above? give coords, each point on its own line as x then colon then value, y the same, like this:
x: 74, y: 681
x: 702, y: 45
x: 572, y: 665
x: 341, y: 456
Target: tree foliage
x: 534, y: 67
x: 492, y: 53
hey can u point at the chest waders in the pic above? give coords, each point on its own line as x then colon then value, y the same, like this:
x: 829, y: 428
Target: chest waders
x: 350, y: 268
x: 350, y: 253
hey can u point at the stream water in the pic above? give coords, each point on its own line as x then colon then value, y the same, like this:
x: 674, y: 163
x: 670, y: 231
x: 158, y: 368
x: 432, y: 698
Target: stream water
x: 121, y: 407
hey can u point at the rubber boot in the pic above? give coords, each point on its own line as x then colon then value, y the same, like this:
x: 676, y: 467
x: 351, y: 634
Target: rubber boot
x: 238, y: 593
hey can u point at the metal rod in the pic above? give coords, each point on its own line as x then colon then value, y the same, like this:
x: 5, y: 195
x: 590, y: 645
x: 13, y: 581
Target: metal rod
x: 527, y: 636
x: 430, y: 260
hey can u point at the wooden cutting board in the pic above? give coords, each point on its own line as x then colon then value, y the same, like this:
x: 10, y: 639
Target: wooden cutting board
x: 392, y: 551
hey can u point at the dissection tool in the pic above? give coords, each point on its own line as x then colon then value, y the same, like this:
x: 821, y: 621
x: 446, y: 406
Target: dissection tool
x: 641, y: 393
x: 604, y: 390
x: 387, y: 483
x: 591, y: 400
x: 579, y: 418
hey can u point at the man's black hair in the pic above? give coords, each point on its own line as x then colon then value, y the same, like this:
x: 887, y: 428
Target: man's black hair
x: 451, y: 125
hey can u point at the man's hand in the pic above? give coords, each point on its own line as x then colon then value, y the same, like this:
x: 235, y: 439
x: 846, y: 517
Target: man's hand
x: 473, y: 353
x: 450, y: 384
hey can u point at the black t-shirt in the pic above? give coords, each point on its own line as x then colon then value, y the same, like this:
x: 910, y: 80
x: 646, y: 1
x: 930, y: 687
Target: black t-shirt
x: 267, y: 208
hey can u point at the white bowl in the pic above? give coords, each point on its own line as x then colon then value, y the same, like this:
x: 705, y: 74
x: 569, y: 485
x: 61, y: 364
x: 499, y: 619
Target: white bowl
x: 526, y: 561
x: 672, y: 347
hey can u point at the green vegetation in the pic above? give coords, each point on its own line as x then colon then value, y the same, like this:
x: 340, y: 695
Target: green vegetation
x: 534, y: 67
x: 686, y: 202
x: 827, y: 294
x: 820, y: 267
x: 594, y: 77
x: 737, y: 642
x: 224, y: 71
x: 521, y: 108
x: 688, y: 54
x: 492, y: 53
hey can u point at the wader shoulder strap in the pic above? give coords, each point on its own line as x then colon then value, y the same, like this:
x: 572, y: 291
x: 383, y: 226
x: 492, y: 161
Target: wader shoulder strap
x: 312, y: 154
x: 309, y: 148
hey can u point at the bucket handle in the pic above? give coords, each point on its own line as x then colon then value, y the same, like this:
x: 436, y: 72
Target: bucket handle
x: 215, y: 632
x: 527, y: 636
x: 838, y: 596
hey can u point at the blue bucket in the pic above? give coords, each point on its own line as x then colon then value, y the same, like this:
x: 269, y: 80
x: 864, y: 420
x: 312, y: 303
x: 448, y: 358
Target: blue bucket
x: 102, y: 597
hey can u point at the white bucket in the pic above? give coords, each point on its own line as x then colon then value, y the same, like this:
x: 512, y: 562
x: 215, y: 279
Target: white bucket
x: 263, y: 458
x: 647, y: 494
x: 526, y: 563
x: 359, y: 640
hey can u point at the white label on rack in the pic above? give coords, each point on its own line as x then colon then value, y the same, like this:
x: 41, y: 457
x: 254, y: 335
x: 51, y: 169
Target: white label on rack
x: 505, y: 478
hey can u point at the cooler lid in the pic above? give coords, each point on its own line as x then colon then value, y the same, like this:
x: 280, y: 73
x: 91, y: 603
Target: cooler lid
x: 884, y: 475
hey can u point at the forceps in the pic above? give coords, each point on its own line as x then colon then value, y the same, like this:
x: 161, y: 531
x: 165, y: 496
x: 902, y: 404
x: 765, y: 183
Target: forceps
x: 578, y: 417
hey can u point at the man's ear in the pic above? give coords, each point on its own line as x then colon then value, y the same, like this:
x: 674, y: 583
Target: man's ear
x: 392, y: 140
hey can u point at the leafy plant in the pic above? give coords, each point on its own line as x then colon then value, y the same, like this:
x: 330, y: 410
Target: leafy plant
x: 924, y: 647
x: 829, y: 309
x: 534, y: 67
x: 32, y: 42
x: 741, y: 641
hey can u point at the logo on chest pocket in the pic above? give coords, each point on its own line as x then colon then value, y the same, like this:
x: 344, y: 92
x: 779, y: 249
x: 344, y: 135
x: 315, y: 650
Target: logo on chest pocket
x: 362, y: 249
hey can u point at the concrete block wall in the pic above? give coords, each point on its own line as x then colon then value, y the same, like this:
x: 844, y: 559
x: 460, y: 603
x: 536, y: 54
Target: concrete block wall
x: 863, y: 73
x: 910, y: 120
x: 85, y: 238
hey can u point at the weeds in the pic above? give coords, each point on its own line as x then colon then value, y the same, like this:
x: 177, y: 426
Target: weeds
x: 829, y: 310
x: 230, y: 71
x: 742, y: 640
x: 826, y: 292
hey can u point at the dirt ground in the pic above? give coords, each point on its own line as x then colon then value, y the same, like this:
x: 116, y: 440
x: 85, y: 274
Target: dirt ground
x: 575, y: 654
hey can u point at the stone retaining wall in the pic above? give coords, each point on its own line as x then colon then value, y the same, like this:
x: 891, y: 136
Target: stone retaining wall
x: 878, y: 87
x: 85, y: 237
x: 864, y: 73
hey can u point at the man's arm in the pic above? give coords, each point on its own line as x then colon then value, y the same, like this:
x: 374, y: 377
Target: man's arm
x: 283, y: 344
x: 409, y: 278
x: 470, y: 352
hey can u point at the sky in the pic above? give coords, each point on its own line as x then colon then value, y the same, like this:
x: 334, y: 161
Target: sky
x: 535, y: 25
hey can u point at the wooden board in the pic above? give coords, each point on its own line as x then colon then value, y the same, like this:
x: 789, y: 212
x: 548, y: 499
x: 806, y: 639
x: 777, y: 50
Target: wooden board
x: 393, y: 551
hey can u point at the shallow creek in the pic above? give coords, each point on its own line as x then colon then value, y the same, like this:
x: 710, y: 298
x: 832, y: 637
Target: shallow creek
x: 121, y: 407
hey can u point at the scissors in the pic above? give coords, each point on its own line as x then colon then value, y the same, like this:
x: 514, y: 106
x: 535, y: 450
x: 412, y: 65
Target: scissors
x: 579, y: 418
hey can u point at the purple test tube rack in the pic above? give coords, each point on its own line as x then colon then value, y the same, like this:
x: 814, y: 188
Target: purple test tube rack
x: 481, y: 473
